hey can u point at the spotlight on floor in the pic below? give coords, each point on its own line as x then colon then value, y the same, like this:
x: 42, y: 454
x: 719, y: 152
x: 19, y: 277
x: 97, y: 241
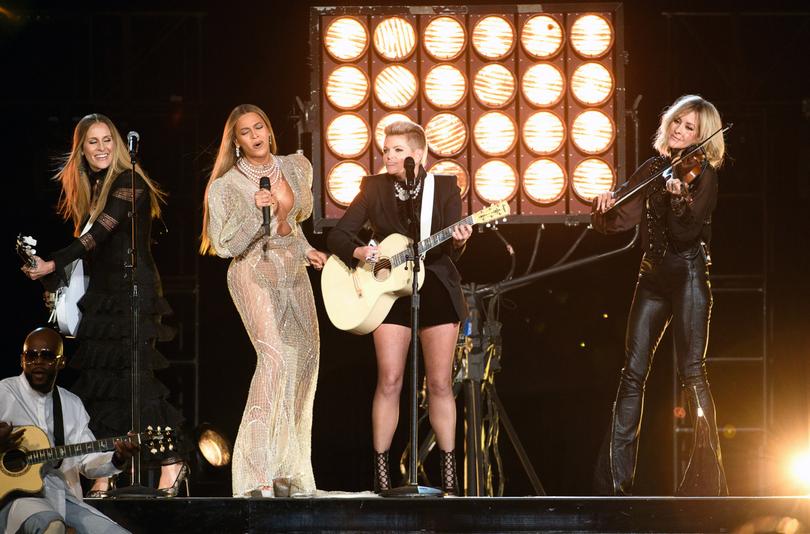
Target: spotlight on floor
x: 800, y: 469
x: 213, y: 445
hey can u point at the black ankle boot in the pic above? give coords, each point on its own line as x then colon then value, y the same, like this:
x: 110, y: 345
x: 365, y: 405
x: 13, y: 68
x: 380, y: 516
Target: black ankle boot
x: 447, y: 463
x: 382, y: 479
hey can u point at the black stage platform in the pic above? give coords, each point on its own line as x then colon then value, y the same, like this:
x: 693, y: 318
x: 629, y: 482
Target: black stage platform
x: 469, y: 514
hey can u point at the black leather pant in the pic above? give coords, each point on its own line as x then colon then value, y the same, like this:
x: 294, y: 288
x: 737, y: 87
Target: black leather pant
x: 675, y: 291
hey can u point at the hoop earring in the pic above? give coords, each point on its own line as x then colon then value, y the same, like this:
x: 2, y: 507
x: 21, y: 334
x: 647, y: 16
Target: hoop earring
x: 238, y: 154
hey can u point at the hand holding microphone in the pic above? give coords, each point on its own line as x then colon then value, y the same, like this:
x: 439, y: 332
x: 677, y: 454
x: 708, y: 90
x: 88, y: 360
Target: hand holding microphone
x: 265, y: 200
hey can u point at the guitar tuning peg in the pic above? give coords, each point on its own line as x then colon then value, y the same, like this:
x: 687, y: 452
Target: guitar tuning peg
x: 162, y: 448
x: 153, y: 450
x: 171, y: 446
x: 149, y: 428
x: 168, y: 429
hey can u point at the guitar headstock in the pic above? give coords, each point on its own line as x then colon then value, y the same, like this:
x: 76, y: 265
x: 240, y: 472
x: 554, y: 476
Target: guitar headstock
x: 25, y: 248
x: 491, y: 213
x: 160, y: 439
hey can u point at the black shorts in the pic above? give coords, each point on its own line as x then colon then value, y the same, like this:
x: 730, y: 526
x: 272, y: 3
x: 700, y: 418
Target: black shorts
x: 435, y: 305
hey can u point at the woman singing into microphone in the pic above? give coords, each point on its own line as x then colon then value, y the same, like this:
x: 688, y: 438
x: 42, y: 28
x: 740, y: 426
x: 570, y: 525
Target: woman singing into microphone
x: 382, y: 201
x: 672, y: 288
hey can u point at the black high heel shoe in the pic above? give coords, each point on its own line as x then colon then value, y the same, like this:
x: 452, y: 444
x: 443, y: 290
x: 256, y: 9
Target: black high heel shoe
x: 447, y: 461
x: 382, y: 478
x: 102, y: 494
x: 174, y: 489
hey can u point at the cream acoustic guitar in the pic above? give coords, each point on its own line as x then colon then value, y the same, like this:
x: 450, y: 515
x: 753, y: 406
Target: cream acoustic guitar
x: 357, y: 300
x: 21, y: 467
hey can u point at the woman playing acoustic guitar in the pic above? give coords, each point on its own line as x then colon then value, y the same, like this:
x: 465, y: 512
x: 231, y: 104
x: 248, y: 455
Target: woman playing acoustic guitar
x: 382, y: 201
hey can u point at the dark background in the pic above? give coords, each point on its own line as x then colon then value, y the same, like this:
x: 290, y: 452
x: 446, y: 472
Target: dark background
x: 173, y: 71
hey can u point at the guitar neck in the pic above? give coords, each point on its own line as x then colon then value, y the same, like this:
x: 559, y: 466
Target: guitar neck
x: 77, y: 449
x: 433, y: 241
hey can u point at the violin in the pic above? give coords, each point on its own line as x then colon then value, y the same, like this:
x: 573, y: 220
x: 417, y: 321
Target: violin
x: 689, y: 168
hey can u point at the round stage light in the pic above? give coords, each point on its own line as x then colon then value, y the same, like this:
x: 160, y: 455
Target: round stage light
x: 445, y: 38
x: 445, y: 86
x: 544, y: 181
x: 394, y: 39
x: 395, y: 87
x: 591, y: 36
x: 446, y: 134
x: 495, y: 133
x: 494, y: 85
x: 542, y: 37
x: 379, y: 131
x: 448, y: 166
x: 543, y: 84
x: 544, y: 133
x: 495, y: 180
x: 591, y: 177
x: 493, y: 37
x: 343, y: 181
x: 593, y: 131
x: 346, y: 39
x: 213, y: 445
x: 592, y: 84
x: 347, y: 87
x: 348, y: 135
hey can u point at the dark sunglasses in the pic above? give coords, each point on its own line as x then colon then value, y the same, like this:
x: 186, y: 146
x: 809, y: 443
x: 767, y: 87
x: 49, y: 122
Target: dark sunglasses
x: 46, y: 355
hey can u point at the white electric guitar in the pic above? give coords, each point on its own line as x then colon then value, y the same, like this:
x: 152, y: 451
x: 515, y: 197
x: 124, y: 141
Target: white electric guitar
x: 358, y: 299
x: 64, y: 302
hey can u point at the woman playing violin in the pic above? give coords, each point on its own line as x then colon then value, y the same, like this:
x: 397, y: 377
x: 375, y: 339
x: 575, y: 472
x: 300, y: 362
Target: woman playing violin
x: 675, y: 215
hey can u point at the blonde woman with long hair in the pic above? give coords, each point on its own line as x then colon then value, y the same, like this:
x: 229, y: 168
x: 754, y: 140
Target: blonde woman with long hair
x: 675, y: 214
x: 269, y: 285
x: 96, y: 197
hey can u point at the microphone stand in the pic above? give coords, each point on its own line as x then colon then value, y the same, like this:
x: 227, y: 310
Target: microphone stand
x: 412, y: 487
x: 135, y: 488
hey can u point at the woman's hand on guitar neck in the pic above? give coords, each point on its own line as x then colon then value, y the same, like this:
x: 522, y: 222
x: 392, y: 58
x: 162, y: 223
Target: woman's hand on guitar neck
x: 604, y: 201
x: 461, y: 233
x: 41, y: 268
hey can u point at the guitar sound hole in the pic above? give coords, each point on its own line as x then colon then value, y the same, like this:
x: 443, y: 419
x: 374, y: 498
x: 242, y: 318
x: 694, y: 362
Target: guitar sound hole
x: 382, y: 270
x: 14, y: 461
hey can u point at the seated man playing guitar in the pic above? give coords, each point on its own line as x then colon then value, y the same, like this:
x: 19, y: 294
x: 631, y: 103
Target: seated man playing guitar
x: 33, y: 399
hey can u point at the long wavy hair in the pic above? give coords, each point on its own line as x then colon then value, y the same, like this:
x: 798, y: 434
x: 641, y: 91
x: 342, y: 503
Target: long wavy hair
x: 226, y: 158
x: 708, y: 122
x: 75, y: 201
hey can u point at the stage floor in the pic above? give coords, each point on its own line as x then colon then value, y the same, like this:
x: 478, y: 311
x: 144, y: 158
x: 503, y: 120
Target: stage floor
x: 465, y: 514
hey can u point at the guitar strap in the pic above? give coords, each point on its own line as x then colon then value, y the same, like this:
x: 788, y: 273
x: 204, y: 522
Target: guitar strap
x: 58, y: 425
x: 426, y: 216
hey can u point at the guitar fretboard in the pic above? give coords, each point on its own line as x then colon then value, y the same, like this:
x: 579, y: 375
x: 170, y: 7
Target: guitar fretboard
x: 433, y: 241
x: 76, y: 449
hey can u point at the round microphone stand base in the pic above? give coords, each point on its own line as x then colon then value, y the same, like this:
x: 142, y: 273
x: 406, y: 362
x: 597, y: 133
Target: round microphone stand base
x: 411, y: 491
x: 134, y: 491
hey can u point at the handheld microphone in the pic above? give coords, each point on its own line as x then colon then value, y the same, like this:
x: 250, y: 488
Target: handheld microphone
x: 264, y: 183
x: 132, y: 142
x: 409, y: 172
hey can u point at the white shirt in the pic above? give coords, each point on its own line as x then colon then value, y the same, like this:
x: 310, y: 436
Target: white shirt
x: 21, y: 405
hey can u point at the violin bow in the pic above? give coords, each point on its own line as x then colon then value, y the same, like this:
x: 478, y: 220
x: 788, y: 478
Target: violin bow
x: 641, y: 185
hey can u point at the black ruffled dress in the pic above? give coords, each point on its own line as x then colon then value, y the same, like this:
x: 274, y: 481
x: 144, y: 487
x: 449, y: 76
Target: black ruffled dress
x: 104, y: 353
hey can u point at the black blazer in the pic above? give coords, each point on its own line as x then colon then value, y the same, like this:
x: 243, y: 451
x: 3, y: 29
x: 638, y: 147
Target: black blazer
x: 376, y: 204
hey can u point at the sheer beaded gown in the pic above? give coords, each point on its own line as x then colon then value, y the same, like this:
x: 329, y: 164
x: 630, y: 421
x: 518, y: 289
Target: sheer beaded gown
x: 269, y: 285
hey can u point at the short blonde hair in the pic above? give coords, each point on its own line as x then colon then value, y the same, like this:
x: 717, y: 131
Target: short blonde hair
x: 708, y: 122
x: 414, y: 134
